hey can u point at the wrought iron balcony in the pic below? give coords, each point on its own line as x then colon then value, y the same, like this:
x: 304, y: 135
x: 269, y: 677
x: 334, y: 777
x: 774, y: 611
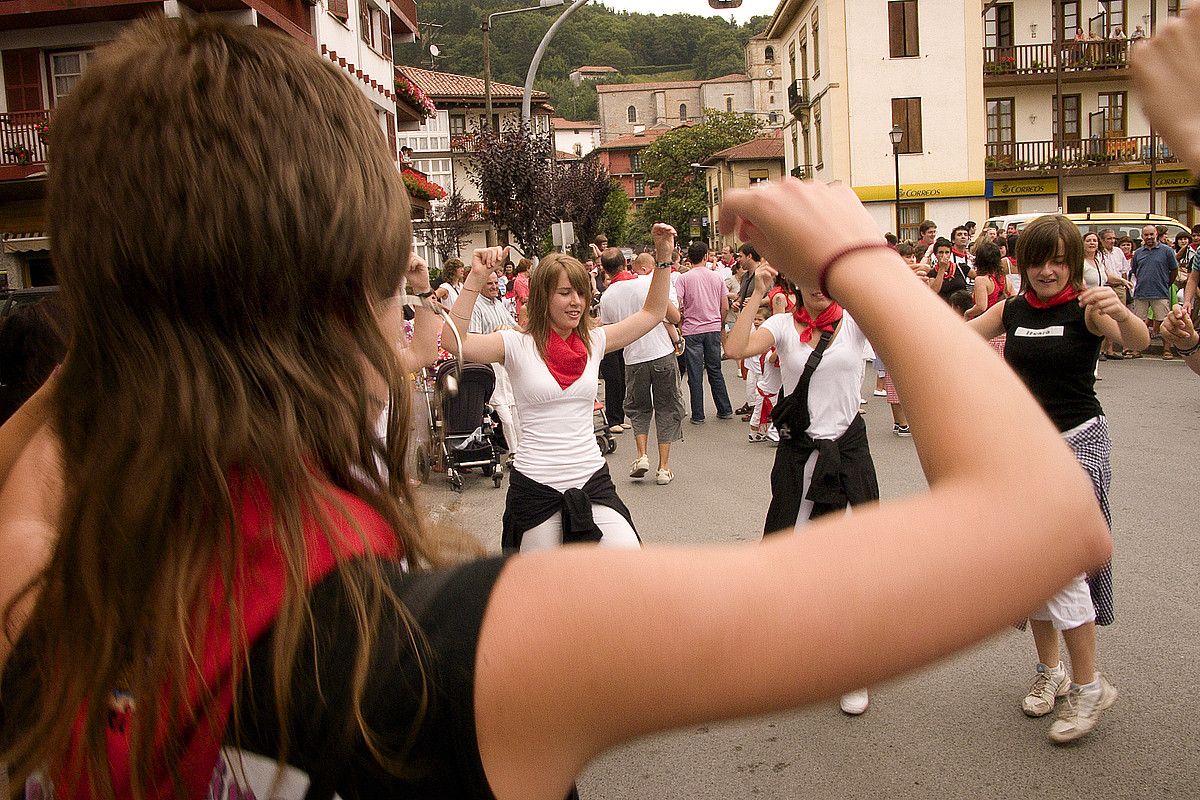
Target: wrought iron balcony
x: 798, y: 96
x: 1000, y: 64
x: 802, y: 171
x: 1094, y: 154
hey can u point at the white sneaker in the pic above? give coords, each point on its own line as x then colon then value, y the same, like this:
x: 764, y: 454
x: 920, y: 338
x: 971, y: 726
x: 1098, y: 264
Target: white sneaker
x: 663, y: 477
x: 616, y: 428
x: 640, y: 467
x: 1082, y: 712
x: 1048, y: 686
x: 855, y: 703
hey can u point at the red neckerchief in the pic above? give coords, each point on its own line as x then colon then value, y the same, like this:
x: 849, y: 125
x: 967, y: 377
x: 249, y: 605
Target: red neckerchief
x: 565, y: 358
x: 826, y: 321
x: 261, y: 596
x: 1068, y: 294
x: 623, y: 275
x: 957, y: 252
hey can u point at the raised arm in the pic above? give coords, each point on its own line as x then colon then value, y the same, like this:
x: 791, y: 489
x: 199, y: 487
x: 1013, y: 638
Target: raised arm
x: 1178, y: 332
x: 743, y: 340
x: 484, y: 348
x: 423, y: 349
x: 981, y: 297
x: 654, y: 310
x: 626, y: 643
x: 1106, y: 315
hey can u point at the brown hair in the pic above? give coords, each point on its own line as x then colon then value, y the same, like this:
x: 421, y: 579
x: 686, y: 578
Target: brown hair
x: 221, y: 264
x: 543, y: 282
x: 1040, y: 242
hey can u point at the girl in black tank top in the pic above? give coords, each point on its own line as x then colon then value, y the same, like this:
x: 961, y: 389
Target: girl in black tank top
x: 1054, y: 330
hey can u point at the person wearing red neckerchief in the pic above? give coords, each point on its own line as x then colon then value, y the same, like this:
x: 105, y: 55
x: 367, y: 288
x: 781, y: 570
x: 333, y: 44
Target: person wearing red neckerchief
x: 1053, y: 331
x: 824, y: 465
x: 960, y: 253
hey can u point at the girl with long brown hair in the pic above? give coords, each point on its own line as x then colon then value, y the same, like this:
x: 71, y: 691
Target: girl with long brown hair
x: 554, y: 366
x: 204, y: 539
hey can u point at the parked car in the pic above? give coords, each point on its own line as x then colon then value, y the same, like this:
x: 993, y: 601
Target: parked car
x: 1123, y: 223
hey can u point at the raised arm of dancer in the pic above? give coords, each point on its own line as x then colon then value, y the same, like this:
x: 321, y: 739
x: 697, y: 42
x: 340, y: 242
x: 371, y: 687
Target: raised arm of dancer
x: 423, y: 349
x: 654, y: 310
x: 1178, y: 332
x: 484, y: 348
x: 1167, y: 54
x: 627, y: 643
x: 980, y: 293
x: 743, y: 340
x: 1107, y: 316
x: 990, y: 323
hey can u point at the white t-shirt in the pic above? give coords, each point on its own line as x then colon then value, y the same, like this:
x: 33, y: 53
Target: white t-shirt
x: 833, y: 395
x: 623, y: 299
x: 558, y: 442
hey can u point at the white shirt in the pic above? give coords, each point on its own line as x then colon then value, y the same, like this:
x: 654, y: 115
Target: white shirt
x: 558, y: 441
x: 488, y: 315
x: 833, y: 395
x: 622, y: 300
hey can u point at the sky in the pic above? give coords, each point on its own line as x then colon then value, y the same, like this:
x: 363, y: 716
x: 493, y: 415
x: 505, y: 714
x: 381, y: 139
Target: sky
x: 749, y: 8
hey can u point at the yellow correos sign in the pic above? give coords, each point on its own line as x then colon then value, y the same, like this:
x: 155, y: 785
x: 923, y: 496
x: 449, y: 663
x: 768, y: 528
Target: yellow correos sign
x: 1162, y: 180
x: 917, y: 192
x: 1025, y: 187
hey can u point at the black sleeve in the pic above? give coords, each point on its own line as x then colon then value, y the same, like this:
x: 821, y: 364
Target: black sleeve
x: 433, y: 747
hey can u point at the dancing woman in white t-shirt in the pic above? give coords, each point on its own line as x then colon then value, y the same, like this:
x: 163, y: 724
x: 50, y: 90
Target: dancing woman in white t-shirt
x: 825, y: 466
x: 560, y: 490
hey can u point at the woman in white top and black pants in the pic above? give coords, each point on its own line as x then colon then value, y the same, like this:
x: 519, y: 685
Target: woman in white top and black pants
x: 823, y: 464
x: 560, y: 491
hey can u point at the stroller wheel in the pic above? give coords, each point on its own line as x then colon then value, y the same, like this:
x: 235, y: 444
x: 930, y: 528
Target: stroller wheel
x: 603, y: 445
x: 498, y: 476
x: 487, y: 470
x: 456, y: 481
x: 424, y: 459
x: 611, y: 445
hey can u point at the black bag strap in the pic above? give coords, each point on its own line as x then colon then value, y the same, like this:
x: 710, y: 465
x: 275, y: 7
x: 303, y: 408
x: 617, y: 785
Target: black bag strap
x: 810, y: 366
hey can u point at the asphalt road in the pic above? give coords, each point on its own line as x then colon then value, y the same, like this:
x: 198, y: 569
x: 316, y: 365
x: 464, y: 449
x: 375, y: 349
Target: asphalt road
x: 954, y: 730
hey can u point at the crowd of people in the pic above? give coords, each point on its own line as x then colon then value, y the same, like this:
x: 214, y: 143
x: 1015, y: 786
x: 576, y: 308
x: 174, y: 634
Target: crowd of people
x: 213, y: 550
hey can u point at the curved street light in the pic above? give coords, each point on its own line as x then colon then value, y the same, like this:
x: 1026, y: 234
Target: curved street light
x: 896, y: 134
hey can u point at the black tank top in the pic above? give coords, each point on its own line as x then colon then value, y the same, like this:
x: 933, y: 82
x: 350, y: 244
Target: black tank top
x: 1055, y: 354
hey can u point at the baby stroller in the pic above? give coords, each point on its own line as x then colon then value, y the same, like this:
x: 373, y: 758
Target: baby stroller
x: 463, y: 424
x: 604, y: 438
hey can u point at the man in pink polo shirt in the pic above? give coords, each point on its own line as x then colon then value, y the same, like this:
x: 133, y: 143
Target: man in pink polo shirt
x: 703, y: 302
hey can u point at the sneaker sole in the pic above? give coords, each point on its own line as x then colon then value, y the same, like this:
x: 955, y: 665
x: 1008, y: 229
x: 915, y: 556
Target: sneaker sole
x: 640, y: 472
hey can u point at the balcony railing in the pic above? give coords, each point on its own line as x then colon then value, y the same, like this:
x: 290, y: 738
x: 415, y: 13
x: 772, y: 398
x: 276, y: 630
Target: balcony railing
x: 1117, y: 151
x: 1039, y: 59
x: 798, y: 96
x: 23, y: 138
x: 802, y: 171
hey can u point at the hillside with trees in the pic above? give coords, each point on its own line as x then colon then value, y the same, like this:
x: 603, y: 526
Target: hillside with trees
x: 641, y: 46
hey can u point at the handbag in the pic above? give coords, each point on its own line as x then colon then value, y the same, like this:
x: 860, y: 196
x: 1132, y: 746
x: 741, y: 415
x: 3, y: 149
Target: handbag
x: 790, y: 415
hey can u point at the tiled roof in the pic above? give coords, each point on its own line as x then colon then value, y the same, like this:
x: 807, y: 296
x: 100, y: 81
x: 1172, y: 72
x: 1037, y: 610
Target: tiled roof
x: 440, y: 85
x: 562, y: 155
x: 770, y: 147
x: 595, y: 69
x: 558, y: 123
x: 641, y: 87
x: 634, y: 140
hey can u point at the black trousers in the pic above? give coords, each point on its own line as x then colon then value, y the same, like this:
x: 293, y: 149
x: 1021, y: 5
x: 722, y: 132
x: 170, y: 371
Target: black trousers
x: 612, y: 370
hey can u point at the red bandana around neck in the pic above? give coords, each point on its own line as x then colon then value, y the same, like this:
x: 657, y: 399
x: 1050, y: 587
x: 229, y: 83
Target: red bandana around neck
x: 623, y: 275
x: 959, y: 253
x: 1068, y: 294
x: 565, y: 358
x: 826, y: 321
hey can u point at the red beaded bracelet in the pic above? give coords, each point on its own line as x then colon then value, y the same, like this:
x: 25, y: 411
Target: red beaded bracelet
x: 823, y: 273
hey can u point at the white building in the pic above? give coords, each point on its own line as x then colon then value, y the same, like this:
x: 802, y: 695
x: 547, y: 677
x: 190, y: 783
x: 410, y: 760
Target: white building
x: 856, y: 70
x: 579, y: 138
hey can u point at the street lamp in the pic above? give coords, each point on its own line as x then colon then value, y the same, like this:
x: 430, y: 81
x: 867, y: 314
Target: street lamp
x: 896, y: 134
x: 487, y: 56
x: 708, y: 187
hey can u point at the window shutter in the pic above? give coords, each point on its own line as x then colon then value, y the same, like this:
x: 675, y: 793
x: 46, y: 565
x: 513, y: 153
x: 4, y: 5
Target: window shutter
x: 385, y: 32
x: 23, y: 80
x: 912, y: 42
x: 913, y: 130
x: 364, y: 21
x: 340, y: 9
x: 895, y: 29
x: 391, y: 132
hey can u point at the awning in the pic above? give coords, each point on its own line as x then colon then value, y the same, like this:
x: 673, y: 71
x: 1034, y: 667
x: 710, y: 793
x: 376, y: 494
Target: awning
x: 26, y: 242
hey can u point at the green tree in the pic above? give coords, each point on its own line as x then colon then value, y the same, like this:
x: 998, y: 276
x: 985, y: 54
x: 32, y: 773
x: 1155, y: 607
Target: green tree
x: 614, y: 222
x: 513, y: 171
x: 718, y: 53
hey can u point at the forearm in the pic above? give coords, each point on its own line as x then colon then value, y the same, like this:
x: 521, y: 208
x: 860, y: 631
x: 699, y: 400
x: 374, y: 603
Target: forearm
x: 737, y: 343
x: 460, y: 314
x: 660, y: 291
x: 1189, y: 291
x: 423, y: 349
x: 1134, y: 334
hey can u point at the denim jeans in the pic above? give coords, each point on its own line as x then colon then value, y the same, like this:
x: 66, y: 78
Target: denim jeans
x: 703, y: 354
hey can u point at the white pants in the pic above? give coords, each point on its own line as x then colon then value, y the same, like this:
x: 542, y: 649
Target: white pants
x: 753, y: 372
x: 614, y: 530
x: 1070, y: 608
x: 506, y: 407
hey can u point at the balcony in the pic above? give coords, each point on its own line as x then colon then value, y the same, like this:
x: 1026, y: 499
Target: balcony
x: 802, y: 171
x: 1036, y: 63
x: 798, y: 96
x: 1096, y: 156
x: 22, y: 144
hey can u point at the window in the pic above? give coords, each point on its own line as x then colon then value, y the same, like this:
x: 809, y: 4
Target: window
x: 817, y: 135
x: 1114, y: 15
x: 1070, y: 129
x: 1068, y: 18
x: 816, y: 40
x: 683, y: 112
x: 792, y: 62
x: 1000, y: 121
x: 906, y: 112
x: 364, y: 23
x: 1179, y: 207
x: 23, y: 80
x: 483, y: 122
x: 999, y: 208
x: 65, y: 71
x: 1083, y: 203
x: 911, y: 217
x: 1173, y: 8
x: 771, y: 87
x: 578, y: 148
x: 998, y: 26
x: 631, y: 114
x: 439, y: 171
x: 796, y: 147
x: 804, y: 130
x: 340, y: 9
x: 729, y: 102
x: 803, y: 53
x: 762, y: 176
x: 770, y: 54
x: 1113, y: 106
x: 635, y: 162
x: 458, y: 124
x: 902, y: 29
x: 639, y: 186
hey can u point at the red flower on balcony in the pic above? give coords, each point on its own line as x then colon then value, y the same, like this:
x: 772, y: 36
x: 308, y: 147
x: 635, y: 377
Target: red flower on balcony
x: 19, y: 153
x: 421, y: 187
x: 414, y: 96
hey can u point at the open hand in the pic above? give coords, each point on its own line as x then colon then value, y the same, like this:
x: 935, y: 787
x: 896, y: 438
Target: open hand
x: 1177, y: 329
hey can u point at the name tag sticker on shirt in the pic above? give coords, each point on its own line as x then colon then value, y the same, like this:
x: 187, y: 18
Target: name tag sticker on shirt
x: 1039, y: 333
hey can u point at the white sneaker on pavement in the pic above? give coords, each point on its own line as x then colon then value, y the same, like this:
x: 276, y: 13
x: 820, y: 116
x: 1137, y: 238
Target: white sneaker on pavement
x: 616, y: 428
x: 663, y: 477
x: 640, y: 467
x: 1082, y: 711
x: 855, y: 703
x: 1048, y: 686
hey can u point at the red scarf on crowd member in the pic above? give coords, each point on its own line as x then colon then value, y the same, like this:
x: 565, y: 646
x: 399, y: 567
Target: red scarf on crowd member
x: 1068, y: 294
x: 565, y: 358
x: 957, y: 252
x: 826, y: 321
x: 623, y: 275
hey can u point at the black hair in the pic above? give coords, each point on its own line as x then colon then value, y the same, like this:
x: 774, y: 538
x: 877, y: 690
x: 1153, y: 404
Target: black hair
x: 748, y: 250
x: 696, y: 251
x: 33, y: 342
x: 961, y: 300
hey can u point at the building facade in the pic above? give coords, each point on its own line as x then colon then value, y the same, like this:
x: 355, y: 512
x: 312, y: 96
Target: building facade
x: 622, y: 158
x: 739, y: 167
x: 624, y: 108
x: 1102, y: 155
x: 912, y: 64
x: 440, y: 146
x: 578, y: 138
x: 768, y: 90
x: 46, y: 46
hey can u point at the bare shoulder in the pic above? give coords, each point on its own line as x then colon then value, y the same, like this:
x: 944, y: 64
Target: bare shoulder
x: 29, y: 505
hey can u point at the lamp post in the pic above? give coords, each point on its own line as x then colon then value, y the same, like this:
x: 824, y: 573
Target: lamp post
x: 896, y: 134
x: 487, y: 53
x: 527, y: 98
x: 709, y: 193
